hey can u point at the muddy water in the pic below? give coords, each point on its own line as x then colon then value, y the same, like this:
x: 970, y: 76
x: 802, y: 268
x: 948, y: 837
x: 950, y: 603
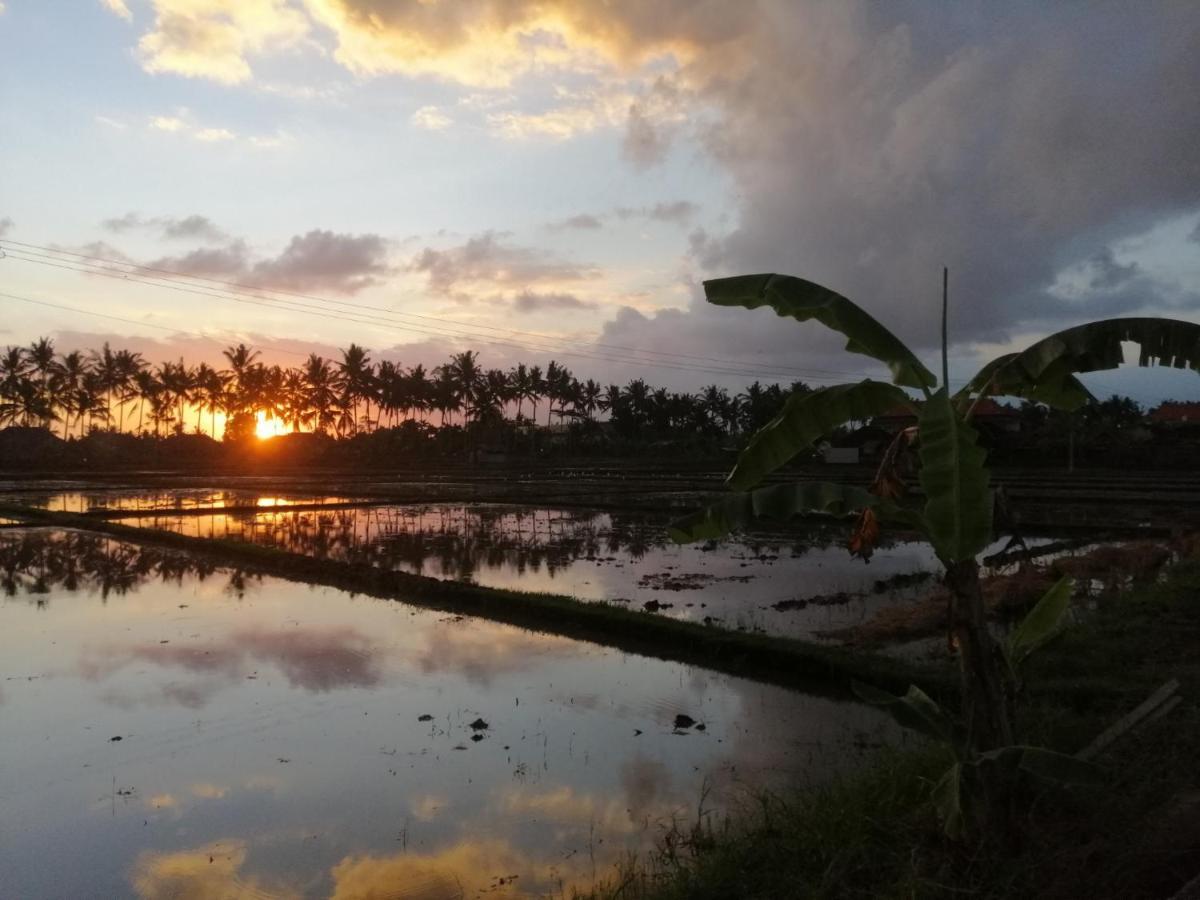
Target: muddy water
x: 796, y: 582
x: 82, y: 499
x: 174, y: 729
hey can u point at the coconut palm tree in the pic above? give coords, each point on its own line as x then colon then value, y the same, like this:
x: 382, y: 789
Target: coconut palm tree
x: 72, y: 368
x: 321, y: 386
x: 466, y: 378
x: 209, y: 395
x: 356, y: 378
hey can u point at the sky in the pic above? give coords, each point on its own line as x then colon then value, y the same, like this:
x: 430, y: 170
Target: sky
x: 542, y: 179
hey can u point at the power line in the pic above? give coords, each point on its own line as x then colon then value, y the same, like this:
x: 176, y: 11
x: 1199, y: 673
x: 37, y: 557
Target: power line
x: 88, y: 312
x: 374, y: 321
x: 234, y: 287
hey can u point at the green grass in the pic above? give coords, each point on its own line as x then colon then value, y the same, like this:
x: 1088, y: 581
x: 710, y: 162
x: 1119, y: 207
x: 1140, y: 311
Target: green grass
x: 873, y: 833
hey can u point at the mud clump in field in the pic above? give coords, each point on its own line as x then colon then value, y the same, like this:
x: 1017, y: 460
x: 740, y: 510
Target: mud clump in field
x: 686, y: 581
x: 1004, y: 596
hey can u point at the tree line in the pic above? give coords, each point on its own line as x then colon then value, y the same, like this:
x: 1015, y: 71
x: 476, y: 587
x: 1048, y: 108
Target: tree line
x: 77, y: 392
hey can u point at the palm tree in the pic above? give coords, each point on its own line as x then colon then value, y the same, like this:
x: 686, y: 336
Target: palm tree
x: 42, y: 363
x: 178, y: 384
x: 108, y: 374
x: 71, y: 371
x: 127, y: 366
x: 241, y: 363
x: 537, y: 388
x: 320, y: 385
x: 589, y: 398
x: 465, y: 377
x: 147, y: 388
x: 295, y: 407
x: 209, y: 395
x: 356, y: 377
x: 418, y: 392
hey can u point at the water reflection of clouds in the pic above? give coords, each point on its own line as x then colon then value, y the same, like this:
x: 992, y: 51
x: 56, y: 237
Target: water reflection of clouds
x: 210, y: 872
x: 317, y: 659
x: 480, y: 651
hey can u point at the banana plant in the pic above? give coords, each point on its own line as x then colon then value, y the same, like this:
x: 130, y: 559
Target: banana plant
x: 956, y: 514
x: 966, y: 791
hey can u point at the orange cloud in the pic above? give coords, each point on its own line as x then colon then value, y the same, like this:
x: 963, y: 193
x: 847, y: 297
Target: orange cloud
x: 214, y: 38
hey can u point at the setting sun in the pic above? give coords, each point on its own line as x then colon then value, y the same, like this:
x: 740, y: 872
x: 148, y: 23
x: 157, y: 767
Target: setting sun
x: 268, y: 427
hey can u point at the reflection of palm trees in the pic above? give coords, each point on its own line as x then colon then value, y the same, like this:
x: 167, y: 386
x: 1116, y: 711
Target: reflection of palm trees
x: 35, y: 562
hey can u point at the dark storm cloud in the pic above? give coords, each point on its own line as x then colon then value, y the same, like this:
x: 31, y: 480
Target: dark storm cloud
x: 1107, y: 273
x: 871, y: 144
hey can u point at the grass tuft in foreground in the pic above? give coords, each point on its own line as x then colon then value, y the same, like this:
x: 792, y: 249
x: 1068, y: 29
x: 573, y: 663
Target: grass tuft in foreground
x: 874, y: 834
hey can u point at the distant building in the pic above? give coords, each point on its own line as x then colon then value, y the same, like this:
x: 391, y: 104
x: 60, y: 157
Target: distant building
x: 1175, y: 413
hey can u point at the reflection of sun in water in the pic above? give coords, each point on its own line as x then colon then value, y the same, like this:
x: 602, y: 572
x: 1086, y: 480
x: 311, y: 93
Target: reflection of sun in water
x: 268, y: 428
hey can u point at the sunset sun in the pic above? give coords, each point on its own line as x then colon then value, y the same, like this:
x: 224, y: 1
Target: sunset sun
x: 265, y: 427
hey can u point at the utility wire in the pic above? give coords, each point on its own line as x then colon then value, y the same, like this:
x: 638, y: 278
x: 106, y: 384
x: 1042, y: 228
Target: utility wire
x: 375, y: 321
x: 259, y: 292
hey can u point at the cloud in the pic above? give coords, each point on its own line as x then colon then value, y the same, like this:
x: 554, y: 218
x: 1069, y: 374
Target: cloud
x: 678, y: 212
x: 431, y: 119
x: 487, y: 259
x: 213, y: 134
x: 169, y: 227
x: 1107, y: 273
x: 118, y: 8
x: 167, y: 123
x: 527, y: 301
x: 231, y: 261
x: 583, y: 221
x: 319, y: 260
x: 645, y: 144
x: 214, y: 38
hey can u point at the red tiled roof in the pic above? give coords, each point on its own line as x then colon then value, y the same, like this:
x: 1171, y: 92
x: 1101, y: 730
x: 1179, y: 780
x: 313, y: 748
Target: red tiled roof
x: 987, y: 408
x: 1175, y: 412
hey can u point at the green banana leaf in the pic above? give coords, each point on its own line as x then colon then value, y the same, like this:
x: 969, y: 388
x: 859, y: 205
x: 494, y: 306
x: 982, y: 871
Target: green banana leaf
x: 1055, y: 387
x: 916, y: 711
x: 1045, y: 370
x: 803, y: 300
x: 806, y: 418
x: 947, y: 800
x: 954, y: 476
x: 1043, y: 622
x: 782, y: 502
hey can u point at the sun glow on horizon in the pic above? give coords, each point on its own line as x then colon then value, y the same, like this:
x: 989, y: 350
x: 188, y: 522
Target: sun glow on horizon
x: 268, y: 427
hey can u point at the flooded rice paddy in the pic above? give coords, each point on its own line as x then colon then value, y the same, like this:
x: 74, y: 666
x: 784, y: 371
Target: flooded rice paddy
x: 173, y: 728
x: 797, y: 582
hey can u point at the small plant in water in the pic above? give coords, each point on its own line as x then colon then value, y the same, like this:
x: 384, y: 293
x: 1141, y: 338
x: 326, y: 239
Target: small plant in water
x: 957, y: 513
